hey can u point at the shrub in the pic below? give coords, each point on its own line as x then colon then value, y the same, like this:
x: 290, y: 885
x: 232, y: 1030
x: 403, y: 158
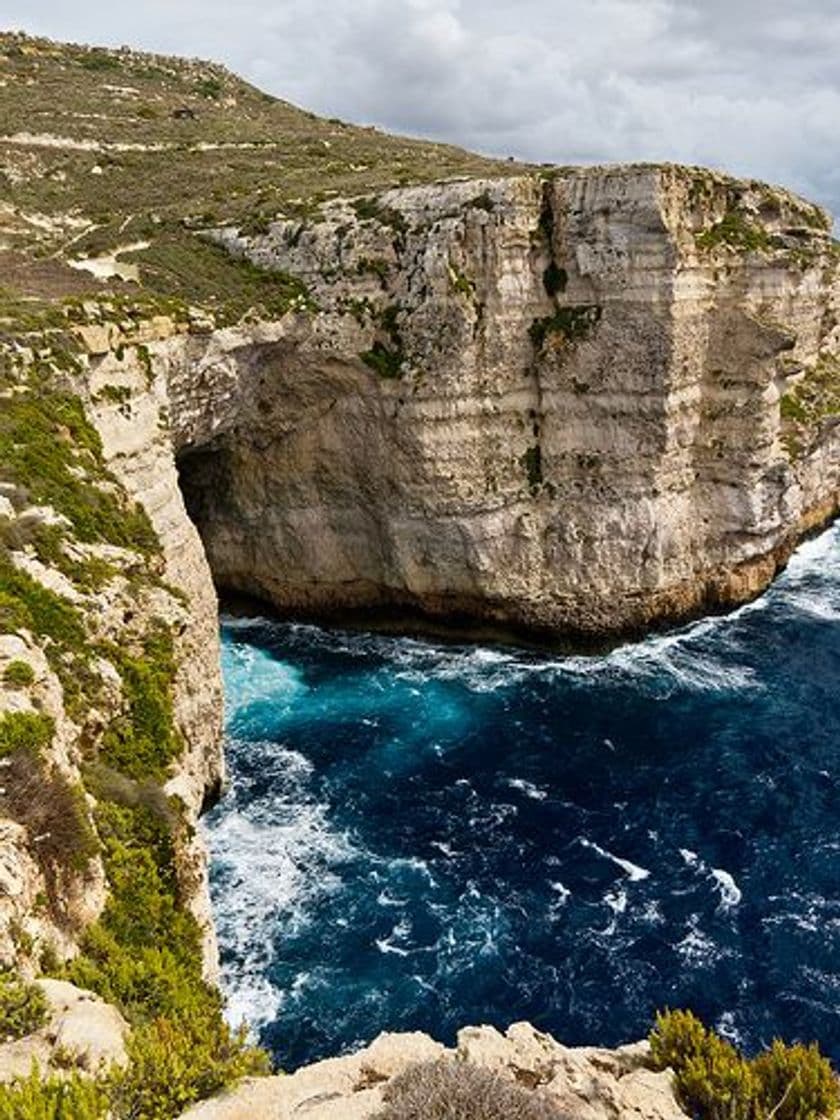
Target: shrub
x: 70, y: 1097
x: 45, y: 442
x: 54, y: 813
x: 144, y: 954
x: 25, y: 731
x: 384, y: 361
x: 26, y: 604
x: 555, y: 279
x: 795, y: 1083
x: 18, y: 674
x: 736, y: 231
x: 571, y: 323
x: 447, y: 1090
x: 143, y: 742
x: 23, y: 1007
x: 715, y: 1082
x: 174, y: 1063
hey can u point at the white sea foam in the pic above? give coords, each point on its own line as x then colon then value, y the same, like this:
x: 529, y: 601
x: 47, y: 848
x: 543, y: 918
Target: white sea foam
x: 723, y: 881
x: 730, y: 892
x: 697, y: 949
x: 528, y: 788
x: 388, y: 944
x: 632, y: 870
x: 272, y: 862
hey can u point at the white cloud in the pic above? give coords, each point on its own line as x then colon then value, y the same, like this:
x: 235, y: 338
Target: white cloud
x: 753, y: 87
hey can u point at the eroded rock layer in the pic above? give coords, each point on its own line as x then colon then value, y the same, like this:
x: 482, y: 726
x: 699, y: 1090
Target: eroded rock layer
x: 584, y: 403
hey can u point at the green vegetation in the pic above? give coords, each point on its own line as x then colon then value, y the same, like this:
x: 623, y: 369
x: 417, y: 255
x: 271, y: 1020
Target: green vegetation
x: 25, y: 604
x: 371, y: 209
x: 460, y: 283
x: 382, y: 360
x: 735, y: 231
x: 23, y: 1007
x: 46, y: 443
x: 387, y: 358
x: 572, y: 324
x: 25, y: 731
x: 18, y: 674
x: 811, y: 401
x: 144, y: 954
x: 715, y: 1082
x: 63, y: 1097
x: 143, y: 742
x: 54, y: 813
x: 555, y: 279
x: 482, y: 201
x: 217, y: 164
x: 192, y: 270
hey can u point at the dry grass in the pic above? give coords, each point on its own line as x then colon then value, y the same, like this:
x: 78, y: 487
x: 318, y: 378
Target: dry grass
x: 447, y: 1090
x: 242, y: 155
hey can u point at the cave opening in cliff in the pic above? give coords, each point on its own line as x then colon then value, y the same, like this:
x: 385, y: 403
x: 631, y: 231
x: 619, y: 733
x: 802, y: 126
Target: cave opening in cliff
x: 202, y: 477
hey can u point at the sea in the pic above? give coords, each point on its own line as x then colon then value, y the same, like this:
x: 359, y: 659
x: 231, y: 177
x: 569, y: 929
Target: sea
x: 421, y: 835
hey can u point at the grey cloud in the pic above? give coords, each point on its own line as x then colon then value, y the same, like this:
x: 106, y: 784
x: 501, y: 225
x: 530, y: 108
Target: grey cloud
x: 750, y: 86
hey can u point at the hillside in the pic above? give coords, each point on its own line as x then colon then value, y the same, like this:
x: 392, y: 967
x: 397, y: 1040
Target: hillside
x: 106, y: 148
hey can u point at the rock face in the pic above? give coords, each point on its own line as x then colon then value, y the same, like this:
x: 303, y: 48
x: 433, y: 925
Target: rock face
x: 586, y: 1083
x: 544, y: 404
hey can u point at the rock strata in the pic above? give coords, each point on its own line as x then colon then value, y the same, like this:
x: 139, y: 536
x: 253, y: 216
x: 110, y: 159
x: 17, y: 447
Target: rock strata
x: 573, y: 405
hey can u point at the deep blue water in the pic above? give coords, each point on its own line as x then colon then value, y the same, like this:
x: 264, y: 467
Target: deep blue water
x: 422, y: 836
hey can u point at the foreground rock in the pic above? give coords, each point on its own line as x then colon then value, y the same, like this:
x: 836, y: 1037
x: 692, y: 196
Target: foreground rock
x: 586, y: 1083
x: 82, y: 1032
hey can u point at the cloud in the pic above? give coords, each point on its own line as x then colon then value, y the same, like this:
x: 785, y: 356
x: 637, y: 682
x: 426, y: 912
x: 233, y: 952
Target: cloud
x: 748, y: 86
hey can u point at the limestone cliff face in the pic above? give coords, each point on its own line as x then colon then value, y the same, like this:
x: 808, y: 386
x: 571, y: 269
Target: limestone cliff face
x: 549, y: 404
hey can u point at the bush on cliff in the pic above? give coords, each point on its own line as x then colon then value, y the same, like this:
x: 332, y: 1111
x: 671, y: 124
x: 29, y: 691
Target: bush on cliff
x: 716, y: 1082
x: 53, y: 1098
x: 23, y: 1007
x: 447, y: 1090
x: 144, y: 954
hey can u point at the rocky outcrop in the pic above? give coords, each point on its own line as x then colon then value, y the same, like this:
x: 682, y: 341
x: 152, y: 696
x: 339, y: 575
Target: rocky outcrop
x: 587, y: 1083
x: 81, y: 1032
x: 550, y: 404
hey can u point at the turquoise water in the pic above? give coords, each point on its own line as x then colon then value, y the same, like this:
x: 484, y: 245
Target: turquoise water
x: 421, y: 836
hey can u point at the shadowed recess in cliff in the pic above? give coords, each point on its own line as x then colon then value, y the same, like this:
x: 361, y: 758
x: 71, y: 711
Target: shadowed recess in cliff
x: 421, y: 836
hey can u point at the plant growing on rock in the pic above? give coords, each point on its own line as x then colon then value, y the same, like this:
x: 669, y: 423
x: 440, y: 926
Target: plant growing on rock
x: 23, y: 1007
x: 58, y: 1097
x: 716, y: 1082
x: 18, y: 674
x: 447, y: 1090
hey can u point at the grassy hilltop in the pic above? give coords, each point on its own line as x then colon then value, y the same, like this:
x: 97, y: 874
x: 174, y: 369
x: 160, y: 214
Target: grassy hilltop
x: 105, y: 148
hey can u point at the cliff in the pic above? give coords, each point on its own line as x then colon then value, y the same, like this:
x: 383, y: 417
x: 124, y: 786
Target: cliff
x: 343, y: 372
x: 580, y: 403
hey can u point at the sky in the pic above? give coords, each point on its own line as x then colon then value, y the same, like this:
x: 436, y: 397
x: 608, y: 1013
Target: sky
x: 750, y: 86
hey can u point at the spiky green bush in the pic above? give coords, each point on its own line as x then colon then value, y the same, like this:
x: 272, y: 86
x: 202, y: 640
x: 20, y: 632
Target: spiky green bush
x: 716, y: 1082
x: 53, y: 1098
x: 25, y: 731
